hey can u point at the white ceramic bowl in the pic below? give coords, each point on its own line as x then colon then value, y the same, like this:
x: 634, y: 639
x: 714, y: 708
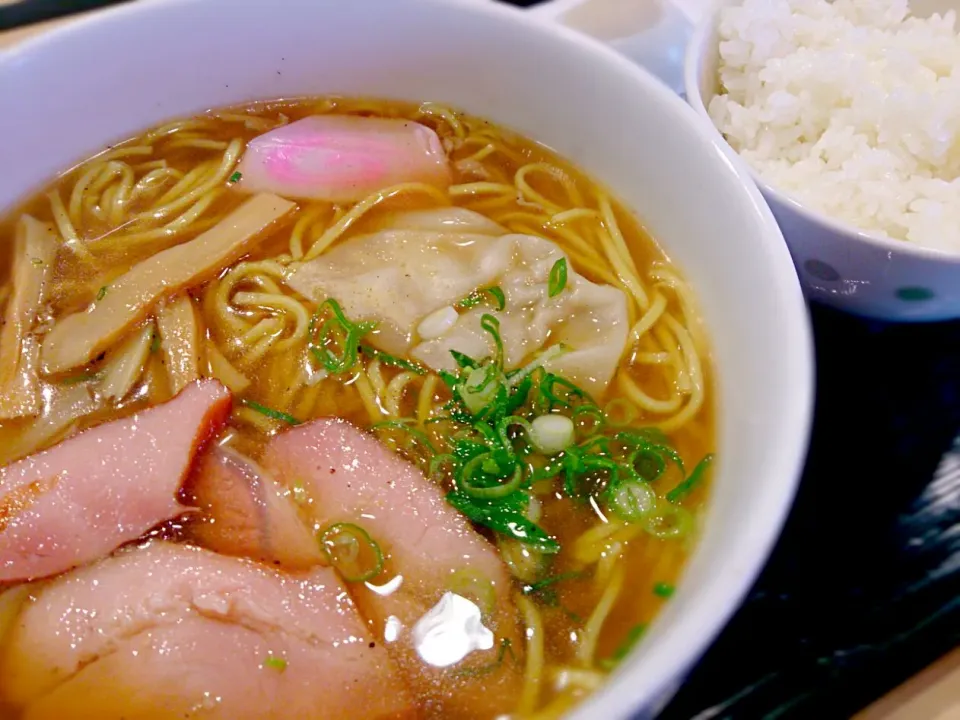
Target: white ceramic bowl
x: 840, y: 265
x: 69, y: 93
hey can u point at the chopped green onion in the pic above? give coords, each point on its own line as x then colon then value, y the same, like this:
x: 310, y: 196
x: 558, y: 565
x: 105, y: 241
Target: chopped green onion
x: 645, y: 445
x: 155, y: 342
x: 632, y: 501
x: 558, y: 277
x: 463, y: 361
x: 499, y: 296
x: 647, y: 463
x: 551, y: 434
x: 486, y: 465
x: 236, y: 177
x: 620, y: 412
x: 507, y: 435
x: 489, y: 323
x: 389, y: 359
x: 668, y: 521
x: 36, y: 261
x: 526, y: 563
x: 102, y: 293
x: 505, y: 647
x: 589, y: 419
x: 692, y: 480
x: 503, y: 430
x: 629, y: 642
x: 507, y: 516
x: 662, y: 589
x: 275, y: 663
x: 479, y: 296
x: 476, y: 587
x: 479, y: 389
x: 352, y: 551
x: 336, y: 330
x: 438, y: 462
x: 551, y: 353
x: 536, y: 587
x: 413, y: 443
x: 407, y: 427
x: 270, y: 412
x: 549, y: 381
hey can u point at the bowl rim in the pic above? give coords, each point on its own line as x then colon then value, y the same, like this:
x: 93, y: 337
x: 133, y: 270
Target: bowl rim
x: 697, y: 49
x: 622, y: 694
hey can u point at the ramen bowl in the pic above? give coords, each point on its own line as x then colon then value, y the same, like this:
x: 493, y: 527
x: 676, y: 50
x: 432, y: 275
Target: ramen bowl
x: 88, y: 85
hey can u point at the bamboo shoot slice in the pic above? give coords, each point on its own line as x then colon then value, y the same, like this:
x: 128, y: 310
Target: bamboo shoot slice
x: 34, y: 252
x: 78, y: 338
x: 126, y: 364
x: 180, y: 341
x: 68, y: 405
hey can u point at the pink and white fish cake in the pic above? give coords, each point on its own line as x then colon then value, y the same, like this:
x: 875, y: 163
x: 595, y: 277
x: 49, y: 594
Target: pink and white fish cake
x: 343, y: 158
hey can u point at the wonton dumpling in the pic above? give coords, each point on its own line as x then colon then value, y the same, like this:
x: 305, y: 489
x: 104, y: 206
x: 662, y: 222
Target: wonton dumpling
x: 422, y: 261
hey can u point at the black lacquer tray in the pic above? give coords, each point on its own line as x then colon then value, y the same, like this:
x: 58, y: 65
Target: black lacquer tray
x: 863, y: 588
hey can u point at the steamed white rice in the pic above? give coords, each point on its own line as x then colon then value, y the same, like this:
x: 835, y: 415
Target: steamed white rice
x: 852, y: 107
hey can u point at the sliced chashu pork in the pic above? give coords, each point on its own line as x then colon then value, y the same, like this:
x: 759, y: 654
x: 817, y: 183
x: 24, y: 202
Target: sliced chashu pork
x: 171, y: 631
x: 83, y: 498
x: 350, y: 477
x: 246, y: 513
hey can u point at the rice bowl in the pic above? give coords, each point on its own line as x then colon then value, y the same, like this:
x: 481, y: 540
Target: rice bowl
x: 851, y: 107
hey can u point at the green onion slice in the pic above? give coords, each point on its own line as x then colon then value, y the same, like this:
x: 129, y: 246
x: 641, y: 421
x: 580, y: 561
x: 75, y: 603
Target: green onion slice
x: 463, y: 361
x: 480, y: 389
x: 558, y: 277
x: 494, y: 293
x: 439, y: 462
x: 668, y: 521
x: 336, y: 331
x: 412, y: 441
x: 489, y: 323
x: 469, y: 482
x: 643, y: 441
x: 506, y: 515
x: 632, y: 501
x: 692, y: 481
x: 647, y: 463
x: 662, y: 589
x: 505, y: 649
x: 623, y: 649
x: 476, y: 587
x: 275, y: 663
x: 270, y: 412
x: 388, y: 359
x: 571, y: 393
x: 536, y: 587
x: 589, y: 420
x: 620, y: 412
x: 352, y: 551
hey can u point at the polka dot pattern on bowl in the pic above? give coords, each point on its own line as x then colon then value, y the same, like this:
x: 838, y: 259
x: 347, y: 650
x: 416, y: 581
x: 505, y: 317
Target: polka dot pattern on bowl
x: 914, y: 294
x: 821, y: 270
